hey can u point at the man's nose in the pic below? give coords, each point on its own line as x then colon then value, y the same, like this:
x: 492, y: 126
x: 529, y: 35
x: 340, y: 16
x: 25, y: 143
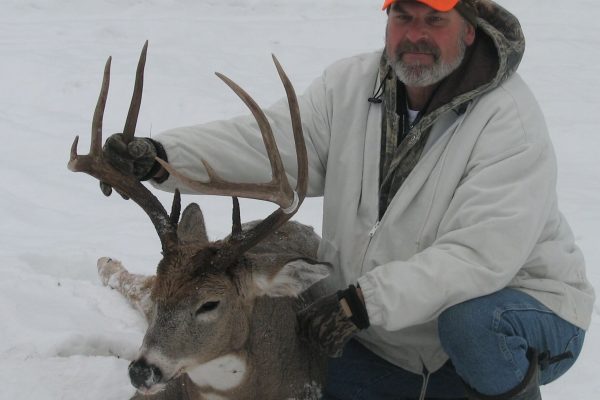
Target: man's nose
x: 416, y: 31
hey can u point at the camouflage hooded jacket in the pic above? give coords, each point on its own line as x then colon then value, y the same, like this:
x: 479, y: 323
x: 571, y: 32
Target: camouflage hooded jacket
x: 476, y: 213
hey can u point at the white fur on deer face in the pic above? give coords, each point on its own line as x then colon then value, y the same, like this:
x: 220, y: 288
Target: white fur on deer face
x: 195, y: 329
x: 204, y: 331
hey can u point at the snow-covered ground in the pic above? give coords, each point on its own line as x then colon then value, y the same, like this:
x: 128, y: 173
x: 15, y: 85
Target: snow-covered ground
x: 63, y: 335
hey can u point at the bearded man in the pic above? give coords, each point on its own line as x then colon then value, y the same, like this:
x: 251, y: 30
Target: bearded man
x: 440, y: 210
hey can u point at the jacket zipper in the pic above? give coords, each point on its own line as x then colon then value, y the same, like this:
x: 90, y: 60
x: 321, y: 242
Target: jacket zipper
x: 373, y: 230
x: 364, y: 256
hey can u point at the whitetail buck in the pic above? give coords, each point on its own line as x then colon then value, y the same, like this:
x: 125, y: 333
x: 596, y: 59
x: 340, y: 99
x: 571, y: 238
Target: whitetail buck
x: 221, y: 315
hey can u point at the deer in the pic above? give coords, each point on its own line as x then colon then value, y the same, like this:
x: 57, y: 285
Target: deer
x: 221, y: 314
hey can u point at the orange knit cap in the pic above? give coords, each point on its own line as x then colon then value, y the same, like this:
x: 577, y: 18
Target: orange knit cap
x: 439, y: 5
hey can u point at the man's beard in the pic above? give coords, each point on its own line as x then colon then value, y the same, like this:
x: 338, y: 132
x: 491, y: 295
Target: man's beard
x: 419, y: 75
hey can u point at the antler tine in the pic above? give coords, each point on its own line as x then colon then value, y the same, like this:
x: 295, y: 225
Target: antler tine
x: 265, y: 130
x: 95, y: 165
x: 278, y: 190
x: 301, y: 153
x: 96, y: 143
x: 236, y: 227
x: 76, y: 162
x: 176, y: 208
x: 136, y: 99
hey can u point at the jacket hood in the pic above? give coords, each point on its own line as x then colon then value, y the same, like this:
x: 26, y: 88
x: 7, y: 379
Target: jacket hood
x: 493, y: 57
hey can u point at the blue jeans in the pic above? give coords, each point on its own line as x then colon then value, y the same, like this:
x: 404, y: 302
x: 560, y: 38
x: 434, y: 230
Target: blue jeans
x: 487, y: 339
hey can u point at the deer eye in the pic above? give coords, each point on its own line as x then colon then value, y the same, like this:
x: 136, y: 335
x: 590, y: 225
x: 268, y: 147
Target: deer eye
x: 207, y: 307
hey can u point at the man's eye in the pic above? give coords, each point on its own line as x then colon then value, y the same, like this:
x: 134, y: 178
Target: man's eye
x: 433, y: 20
x: 207, y: 307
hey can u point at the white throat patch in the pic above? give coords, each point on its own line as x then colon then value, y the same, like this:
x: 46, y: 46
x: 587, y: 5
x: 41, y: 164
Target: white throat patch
x: 223, y: 373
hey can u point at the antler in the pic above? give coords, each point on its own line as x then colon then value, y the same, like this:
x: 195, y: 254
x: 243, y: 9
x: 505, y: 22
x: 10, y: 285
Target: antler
x: 95, y: 165
x: 278, y: 190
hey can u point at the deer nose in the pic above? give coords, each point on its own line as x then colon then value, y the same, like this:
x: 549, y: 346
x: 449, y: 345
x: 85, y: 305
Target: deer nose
x: 144, y: 375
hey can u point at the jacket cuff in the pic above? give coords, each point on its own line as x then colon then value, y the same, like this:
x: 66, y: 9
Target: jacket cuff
x: 372, y: 302
x: 162, y: 154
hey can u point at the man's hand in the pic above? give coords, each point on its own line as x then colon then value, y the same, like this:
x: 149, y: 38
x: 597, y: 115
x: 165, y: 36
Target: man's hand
x: 136, y: 157
x: 331, y: 321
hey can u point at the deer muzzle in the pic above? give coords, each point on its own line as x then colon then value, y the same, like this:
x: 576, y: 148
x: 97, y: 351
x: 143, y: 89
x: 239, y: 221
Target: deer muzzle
x: 143, y: 375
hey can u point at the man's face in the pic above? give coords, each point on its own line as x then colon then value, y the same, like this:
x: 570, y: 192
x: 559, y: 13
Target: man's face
x: 424, y: 45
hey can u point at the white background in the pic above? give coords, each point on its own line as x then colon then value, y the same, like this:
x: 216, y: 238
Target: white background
x: 63, y: 335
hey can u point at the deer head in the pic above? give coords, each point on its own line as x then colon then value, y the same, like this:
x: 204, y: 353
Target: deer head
x: 206, y: 294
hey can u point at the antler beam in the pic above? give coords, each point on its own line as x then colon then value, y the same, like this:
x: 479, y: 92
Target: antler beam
x: 278, y: 190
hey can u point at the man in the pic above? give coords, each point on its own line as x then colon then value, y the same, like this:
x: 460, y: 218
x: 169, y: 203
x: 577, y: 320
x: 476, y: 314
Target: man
x: 439, y: 184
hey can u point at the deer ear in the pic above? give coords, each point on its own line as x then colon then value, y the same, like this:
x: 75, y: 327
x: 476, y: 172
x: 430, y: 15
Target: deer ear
x: 290, y: 280
x: 191, y: 228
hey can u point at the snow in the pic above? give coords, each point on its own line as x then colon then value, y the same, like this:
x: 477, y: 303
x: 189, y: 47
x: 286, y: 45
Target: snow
x: 65, y: 336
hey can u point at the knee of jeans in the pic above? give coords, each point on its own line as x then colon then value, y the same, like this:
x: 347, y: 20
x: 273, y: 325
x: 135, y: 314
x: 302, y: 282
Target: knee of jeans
x: 462, y: 321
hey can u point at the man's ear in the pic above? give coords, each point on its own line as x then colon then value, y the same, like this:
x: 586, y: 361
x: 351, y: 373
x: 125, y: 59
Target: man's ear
x: 470, y: 33
x: 290, y: 279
